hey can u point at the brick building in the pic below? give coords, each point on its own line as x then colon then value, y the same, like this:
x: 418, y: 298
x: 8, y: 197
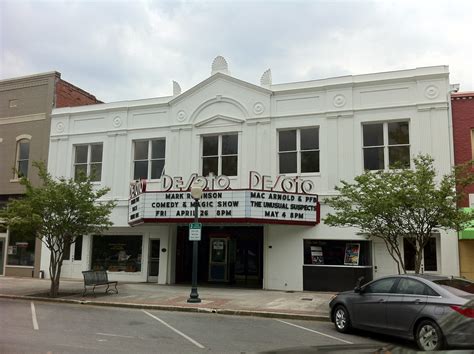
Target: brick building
x: 463, y: 135
x: 25, y: 108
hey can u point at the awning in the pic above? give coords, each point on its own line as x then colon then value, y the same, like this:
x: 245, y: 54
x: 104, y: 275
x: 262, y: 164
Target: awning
x: 468, y: 232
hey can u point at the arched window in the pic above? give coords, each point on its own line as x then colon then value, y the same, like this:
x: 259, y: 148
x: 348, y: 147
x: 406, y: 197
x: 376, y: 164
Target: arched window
x: 22, y: 156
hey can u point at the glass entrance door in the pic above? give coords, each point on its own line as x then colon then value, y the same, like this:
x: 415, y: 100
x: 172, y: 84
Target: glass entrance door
x: 218, y: 260
x: 154, y: 261
x: 72, y: 264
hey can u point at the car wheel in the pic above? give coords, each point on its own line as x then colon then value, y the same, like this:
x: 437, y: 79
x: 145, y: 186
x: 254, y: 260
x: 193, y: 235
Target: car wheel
x: 341, y: 319
x: 429, y: 336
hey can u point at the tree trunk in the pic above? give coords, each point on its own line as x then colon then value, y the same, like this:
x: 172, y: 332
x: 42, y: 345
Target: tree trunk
x: 54, y: 273
x: 418, y: 258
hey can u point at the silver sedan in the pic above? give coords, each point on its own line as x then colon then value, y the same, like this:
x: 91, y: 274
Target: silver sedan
x: 435, y: 311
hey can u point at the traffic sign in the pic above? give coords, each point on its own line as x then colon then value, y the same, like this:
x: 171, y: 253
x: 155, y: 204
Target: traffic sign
x: 195, y: 231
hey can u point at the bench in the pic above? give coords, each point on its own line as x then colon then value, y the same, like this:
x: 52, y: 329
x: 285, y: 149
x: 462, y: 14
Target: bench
x: 96, y: 278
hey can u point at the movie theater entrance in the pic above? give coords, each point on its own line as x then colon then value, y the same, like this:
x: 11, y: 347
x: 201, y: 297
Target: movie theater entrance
x: 230, y: 256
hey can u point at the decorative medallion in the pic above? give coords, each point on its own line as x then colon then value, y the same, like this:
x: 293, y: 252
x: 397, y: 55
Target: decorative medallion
x: 258, y: 108
x: 117, y: 122
x: 60, y: 127
x: 431, y: 92
x: 339, y: 101
x: 181, y: 116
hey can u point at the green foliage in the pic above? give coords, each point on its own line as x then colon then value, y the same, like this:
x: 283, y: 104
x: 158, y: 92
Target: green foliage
x: 402, y: 203
x: 58, y: 212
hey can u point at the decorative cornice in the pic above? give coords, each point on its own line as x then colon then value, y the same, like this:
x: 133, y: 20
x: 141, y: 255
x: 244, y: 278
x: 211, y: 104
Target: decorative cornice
x: 432, y: 106
x: 23, y: 119
x: 177, y: 128
x: 20, y: 85
x: 340, y: 114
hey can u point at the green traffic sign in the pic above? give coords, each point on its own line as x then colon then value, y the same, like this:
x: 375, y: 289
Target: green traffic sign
x: 195, y: 225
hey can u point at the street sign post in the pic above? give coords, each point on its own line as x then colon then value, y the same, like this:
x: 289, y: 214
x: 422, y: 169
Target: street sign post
x: 195, y: 231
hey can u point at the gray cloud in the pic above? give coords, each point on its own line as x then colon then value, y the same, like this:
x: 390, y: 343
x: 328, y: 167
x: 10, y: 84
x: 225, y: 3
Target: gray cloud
x: 122, y: 50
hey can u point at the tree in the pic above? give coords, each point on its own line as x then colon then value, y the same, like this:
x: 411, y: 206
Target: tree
x: 403, y: 204
x: 58, y: 212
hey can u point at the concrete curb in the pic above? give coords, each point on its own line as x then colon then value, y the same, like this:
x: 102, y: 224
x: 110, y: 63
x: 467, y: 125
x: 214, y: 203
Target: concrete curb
x: 233, y: 312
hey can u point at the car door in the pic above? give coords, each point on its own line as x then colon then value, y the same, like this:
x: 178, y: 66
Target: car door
x: 369, y: 310
x: 405, y: 304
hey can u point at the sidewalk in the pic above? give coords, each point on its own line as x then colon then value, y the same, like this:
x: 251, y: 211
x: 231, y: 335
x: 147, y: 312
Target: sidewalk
x: 234, y: 301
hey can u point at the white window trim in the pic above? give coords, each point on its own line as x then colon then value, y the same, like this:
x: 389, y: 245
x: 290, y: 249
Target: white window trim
x: 298, y: 152
x: 19, y: 139
x: 385, y: 145
x: 436, y: 236
x: 88, y: 163
x: 149, y: 158
x: 219, y: 152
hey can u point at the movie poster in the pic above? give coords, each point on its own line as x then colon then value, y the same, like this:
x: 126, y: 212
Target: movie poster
x: 351, y: 256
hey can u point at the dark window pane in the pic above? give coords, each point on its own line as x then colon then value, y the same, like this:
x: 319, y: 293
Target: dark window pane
x: 373, y: 159
x: 22, y: 251
x: 96, y: 172
x: 117, y: 253
x: 209, y: 164
x: 380, y: 286
x: 429, y: 253
x: 408, y: 255
x: 67, y: 252
x: 287, y: 140
x: 411, y: 287
x: 399, y: 155
x: 288, y: 162
x: 229, y: 144
x: 24, y: 150
x: 140, y: 170
x: 23, y: 168
x: 373, y: 134
x: 141, y: 150
x: 310, y: 161
x: 229, y: 165
x: 157, y: 168
x: 96, y: 153
x: 78, y: 249
x: 309, y: 139
x: 158, y: 148
x: 398, y: 133
x: 210, y: 145
x: 80, y: 171
x: 81, y: 154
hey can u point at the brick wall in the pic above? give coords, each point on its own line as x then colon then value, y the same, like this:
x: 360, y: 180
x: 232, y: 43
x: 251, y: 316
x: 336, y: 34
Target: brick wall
x: 463, y: 123
x: 68, y: 95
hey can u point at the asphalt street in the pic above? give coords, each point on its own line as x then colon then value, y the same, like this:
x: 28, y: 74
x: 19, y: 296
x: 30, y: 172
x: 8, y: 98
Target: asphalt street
x: 43, y: 327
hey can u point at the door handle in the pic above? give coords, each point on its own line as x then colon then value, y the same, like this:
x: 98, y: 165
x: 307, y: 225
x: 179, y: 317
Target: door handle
x: 382, y: 300
x: 417, y: 301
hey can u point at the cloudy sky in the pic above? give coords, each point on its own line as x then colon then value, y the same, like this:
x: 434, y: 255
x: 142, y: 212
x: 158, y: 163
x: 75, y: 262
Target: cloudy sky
x: 121, y: 50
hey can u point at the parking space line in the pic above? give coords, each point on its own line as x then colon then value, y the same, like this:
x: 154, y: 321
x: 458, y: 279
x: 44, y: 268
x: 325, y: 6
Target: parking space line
x: 33, y: 316
x: 199, y: 345
x: 312, y: 330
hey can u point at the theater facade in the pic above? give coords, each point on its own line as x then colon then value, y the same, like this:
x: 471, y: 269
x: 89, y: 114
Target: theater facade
x: 267, y: 156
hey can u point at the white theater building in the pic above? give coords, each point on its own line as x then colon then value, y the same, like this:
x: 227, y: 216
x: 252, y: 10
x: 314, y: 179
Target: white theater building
x: 268, y: 155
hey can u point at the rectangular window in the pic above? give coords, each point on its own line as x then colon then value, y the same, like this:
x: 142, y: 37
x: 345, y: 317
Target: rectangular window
x: 430, y: 258
x: 220, y: 154
x: 21, y: 249
x: 117, y: 253
x: 77, y: 246
x: 22, y: 157
x: 329, y: 252
x: 149, y: 159
x: 88, y: 161
x: 385, y: 145
x: 298, y: 150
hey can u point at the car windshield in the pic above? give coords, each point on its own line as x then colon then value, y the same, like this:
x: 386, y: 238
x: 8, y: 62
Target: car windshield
x: 458, y: 287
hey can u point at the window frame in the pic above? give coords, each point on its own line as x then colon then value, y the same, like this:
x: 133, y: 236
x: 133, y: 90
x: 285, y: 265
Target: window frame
x: 220, y: 155
x: 149, y: 158
x: 299, y: 151
x: 19, y: 140
x: 88, y: 162
x: 434, y: 236
x: 386, y: 143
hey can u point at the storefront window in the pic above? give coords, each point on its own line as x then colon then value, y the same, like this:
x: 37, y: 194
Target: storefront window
x: 429, y: 261
x: 348, y: 253
x: 117, y: 253
x: 21, y: 249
